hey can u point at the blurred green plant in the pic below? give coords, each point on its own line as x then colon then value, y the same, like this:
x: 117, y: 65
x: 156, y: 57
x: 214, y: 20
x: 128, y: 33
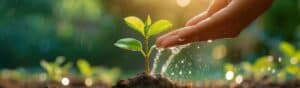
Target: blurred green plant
x: 263, y: 66
x: 108, y: 76
x: 15, y: 74
x: 57, y: 69
x: 147, y: 30
x: 283, y: 67
x: 291, y: 58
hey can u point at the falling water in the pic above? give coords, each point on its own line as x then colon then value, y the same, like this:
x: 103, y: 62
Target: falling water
x: 156, y: 59
x: 175, y: 51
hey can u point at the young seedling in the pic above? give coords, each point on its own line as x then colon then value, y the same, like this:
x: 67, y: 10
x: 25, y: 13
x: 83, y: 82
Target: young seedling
x: 108, y: 76
x: 56, y: 70
x: 147, y: 30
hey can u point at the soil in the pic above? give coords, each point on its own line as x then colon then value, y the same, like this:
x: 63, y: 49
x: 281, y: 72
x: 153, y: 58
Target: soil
x: 10, y: 83
x: 143, y: 80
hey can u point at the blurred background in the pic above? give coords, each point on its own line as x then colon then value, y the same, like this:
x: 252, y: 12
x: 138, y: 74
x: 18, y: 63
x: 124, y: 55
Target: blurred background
x: 35, y: 30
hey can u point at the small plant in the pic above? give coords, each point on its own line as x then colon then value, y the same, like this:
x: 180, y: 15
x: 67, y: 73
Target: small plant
x: 147, y: 30
x: 56, y: 70
x: 108, y: 76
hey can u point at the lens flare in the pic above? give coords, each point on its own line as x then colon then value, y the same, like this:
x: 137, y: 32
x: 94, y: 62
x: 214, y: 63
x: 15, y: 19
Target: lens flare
x: 183, y: 3
x: 229, y: 75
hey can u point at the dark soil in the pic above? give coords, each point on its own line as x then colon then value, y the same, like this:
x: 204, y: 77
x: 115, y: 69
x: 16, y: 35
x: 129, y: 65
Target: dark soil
x: 10, y: 83
x: 265, y: 82
x: 144, y: 80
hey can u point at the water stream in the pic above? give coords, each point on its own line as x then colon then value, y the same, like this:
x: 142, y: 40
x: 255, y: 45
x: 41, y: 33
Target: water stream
x: 156, y: 59
x: 174, y: 51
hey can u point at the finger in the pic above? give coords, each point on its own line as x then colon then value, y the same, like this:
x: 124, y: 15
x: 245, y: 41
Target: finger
x: 213, y: 8
x: 217, y: 5
x: 163, y: 37
x: 197, y: 19
x: 178, y: 37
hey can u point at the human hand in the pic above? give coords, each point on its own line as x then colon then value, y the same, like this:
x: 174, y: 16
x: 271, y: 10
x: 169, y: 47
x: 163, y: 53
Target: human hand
x: 223, y: 19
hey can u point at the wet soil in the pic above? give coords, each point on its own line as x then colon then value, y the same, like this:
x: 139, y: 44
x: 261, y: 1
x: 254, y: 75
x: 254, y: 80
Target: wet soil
x: 143, y: 80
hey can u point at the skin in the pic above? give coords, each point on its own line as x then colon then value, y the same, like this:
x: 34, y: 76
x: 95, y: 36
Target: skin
x: 223, y: 19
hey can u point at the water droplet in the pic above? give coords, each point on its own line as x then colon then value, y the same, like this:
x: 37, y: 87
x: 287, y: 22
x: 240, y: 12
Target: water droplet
x: 190, y: 72
x: 198, y: 47
x: 182, y: 61
x: 279, y: 59
x: 180, y: 72
x: 174, y: 50
x: 273, y: 71
x: 172, y: 73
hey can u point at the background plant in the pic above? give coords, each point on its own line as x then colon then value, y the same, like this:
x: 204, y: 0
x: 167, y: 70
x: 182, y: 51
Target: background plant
x: 57, y: 69
x: 108, y: 76
x: 147, y: 30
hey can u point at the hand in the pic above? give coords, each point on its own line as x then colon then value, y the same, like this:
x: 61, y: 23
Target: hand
x: 223, y: 19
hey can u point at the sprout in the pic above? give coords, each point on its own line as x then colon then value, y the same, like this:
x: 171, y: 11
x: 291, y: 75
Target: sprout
x: 108, y: 76
x: 147, y: 30
x: 56, y: 70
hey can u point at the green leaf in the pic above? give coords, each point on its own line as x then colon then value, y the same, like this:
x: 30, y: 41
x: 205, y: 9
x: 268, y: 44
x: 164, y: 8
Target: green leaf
x: 46, y: 66
x: 129, y: 44
x: 287, y: 48
x: 84, y: 67
x: 135, y: 23
x: 229, y: 67
x: 60, y: 60
x: 158, y: 27
x: 149, y: 21
x: 292, y: 69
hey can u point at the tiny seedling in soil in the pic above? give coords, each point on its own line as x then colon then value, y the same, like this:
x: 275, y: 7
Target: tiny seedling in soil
x: 107, y: 76
x: 56, y: 70
x: 147, y: 30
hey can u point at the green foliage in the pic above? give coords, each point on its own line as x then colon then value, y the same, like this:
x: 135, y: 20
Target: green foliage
x: 287, y: 48
x: 147, y: 29
x: 108, y: 76
x: 129, y: 44
x: 229, y: 67
x: 56, y: 70
x: 85, y: 68
x: 136, y: 23
x: 288, y: 65
x: 158, y: 27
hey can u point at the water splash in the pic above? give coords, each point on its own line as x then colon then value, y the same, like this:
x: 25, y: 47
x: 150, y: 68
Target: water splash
x: 175, y: 51
x: 156, y: 59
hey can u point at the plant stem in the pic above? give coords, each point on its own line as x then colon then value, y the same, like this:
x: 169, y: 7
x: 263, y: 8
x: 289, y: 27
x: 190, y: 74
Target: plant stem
x: 147, y: 61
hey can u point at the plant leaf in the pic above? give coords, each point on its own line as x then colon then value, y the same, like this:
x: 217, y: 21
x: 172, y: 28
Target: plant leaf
x: 84, y: 67
x: 159, y: 26
x: 129, y: 44
x: 287, y: 48
x: 149, y: 21
x: 135, y: 23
